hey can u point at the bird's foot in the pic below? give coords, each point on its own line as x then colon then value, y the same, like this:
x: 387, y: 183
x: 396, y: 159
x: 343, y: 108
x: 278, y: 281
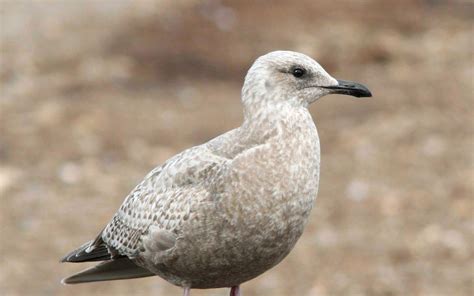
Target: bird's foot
x: 235, y: 291
x: 187, y: 291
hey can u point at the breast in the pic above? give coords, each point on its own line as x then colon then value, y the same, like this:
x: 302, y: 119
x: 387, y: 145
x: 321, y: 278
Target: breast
x: 269, y: 193
x: 256, y: 214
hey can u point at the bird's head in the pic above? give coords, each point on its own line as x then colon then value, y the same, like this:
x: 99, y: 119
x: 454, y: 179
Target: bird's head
x: 294, y: 78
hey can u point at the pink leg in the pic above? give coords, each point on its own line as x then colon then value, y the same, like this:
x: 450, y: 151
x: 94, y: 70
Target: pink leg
x: 187, y: 291
x: 235, y: 291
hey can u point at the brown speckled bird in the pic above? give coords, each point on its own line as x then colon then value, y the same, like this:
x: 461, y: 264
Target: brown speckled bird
x: 221, y: 213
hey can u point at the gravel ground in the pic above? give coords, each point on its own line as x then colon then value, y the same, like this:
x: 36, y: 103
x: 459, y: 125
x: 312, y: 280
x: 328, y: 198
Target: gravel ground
x: 96, y: 93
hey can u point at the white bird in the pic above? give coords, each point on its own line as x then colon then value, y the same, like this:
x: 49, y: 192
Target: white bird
x: 221, y: 213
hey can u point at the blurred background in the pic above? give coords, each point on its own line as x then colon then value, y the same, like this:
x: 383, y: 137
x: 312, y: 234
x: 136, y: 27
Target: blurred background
x: 94, y: 94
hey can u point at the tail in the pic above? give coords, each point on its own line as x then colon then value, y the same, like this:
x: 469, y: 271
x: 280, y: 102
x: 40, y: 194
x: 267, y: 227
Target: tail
x: 114, y: 267
x: 118, y: 269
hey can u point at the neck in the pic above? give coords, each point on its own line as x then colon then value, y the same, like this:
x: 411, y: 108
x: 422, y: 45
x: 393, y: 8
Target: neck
x: 270, y: 124
x: 255, y: 112
x: 264, y: 122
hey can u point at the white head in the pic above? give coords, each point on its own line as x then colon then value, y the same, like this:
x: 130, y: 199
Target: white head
x: 292, y: 78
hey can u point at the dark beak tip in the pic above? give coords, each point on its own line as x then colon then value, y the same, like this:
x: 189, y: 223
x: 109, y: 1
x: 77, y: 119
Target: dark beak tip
x: 352, y: 88
x: 365, y: 94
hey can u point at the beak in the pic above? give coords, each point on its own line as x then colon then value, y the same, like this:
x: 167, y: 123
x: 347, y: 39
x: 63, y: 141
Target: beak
x: 349, y: 88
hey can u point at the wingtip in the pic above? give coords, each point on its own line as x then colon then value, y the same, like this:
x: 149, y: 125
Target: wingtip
x: 88, y: 252
x: 64, y: 259
x: 68, y: 258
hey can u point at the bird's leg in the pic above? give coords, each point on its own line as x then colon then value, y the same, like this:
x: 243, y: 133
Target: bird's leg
x: 187, y: 291
x: 235, y: 291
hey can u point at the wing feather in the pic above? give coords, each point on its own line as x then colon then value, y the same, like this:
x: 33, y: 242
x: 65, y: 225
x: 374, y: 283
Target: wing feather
x: 162, y: 199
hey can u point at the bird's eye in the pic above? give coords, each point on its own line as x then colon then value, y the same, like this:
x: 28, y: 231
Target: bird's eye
x: 298, y: 72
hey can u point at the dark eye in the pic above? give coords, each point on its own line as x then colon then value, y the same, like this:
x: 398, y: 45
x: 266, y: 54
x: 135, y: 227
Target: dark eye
x: 298, y: 72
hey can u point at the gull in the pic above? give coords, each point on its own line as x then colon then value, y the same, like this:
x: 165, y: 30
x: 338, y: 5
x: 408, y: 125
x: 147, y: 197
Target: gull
x: 221, y: 213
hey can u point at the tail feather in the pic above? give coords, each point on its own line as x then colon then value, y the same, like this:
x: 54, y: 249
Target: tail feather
x: 122, y: 268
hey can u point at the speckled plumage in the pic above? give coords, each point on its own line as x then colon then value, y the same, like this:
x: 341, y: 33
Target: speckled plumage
x: 222, y: 213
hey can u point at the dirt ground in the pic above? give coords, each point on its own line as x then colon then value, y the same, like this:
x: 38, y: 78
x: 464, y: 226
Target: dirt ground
x: 96, y: 93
